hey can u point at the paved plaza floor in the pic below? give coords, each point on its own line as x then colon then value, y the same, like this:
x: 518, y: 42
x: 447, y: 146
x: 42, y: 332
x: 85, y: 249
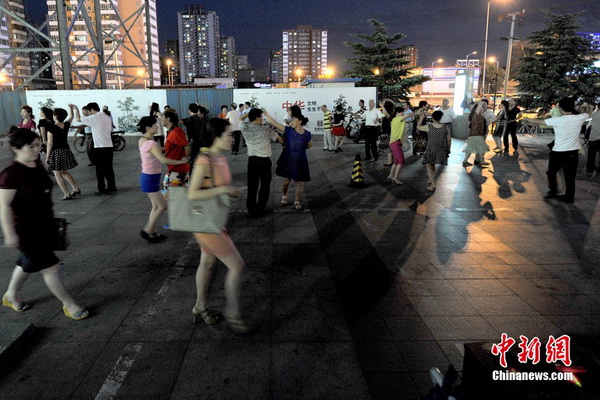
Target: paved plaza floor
x: 357, y: 296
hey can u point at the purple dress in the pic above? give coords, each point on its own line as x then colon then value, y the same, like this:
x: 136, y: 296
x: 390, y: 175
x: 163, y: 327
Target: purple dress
x: 293, y: 163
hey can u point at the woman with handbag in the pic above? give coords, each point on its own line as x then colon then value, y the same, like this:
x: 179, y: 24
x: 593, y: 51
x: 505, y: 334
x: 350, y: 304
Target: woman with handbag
x: 152, y: 160
x: 211, y: 177
x: 28, y: 224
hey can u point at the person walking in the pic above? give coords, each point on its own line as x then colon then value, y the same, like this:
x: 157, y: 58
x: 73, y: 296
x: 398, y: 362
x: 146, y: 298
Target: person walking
x: 293, y: 163
x: 328, y: 143
x: 512, y: 115
x: 59, y: 157
x: 233, y: 117
x: 439, y: 139
x: 501, y: 125
x: 372, y: 118
x: 564, y: 153
x: 101, y: 126
x: 152, y: 159
x: 212, y: 166
x: 477, y: 133
x: 27, y: 222
x: 160, y: 134
x: 28, y: 119
x: 338, y: 132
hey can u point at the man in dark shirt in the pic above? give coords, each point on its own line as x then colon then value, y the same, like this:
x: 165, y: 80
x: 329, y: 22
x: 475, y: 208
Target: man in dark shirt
x: 194, y: 125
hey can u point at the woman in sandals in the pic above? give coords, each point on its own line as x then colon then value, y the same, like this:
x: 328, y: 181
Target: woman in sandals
x: 152, y: 160
x: 437, y: 149
x: 293, y: 163
x: 28, y: 224
x: 59, y: 156
x: 211, y: 177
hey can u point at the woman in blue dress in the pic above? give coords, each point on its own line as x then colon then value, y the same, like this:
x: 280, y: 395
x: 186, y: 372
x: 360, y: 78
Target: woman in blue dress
x: 293, y: 163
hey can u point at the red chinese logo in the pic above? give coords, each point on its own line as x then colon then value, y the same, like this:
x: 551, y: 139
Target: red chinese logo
x: 556, y: 349
x: 500, y: 349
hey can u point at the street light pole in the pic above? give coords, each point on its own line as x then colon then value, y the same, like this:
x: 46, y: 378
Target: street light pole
x: 510, y: 44
x: 487, y: 30
x: 467, y: 57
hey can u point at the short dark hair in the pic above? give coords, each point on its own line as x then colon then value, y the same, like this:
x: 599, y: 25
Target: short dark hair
x: 60, y: 114
x: 339, y: 108
x: 22, y: 137
x: 567, y: 104
x: 94, y: 106
x: 254, y: 114
x: 437, y: 115
x: 203, y: 110
x: 145, y: 123
x: 193, y: 107
x: 171, y: 116
x: 48, y: 113
x: 361, y: 101
x: 233, y: 105
x: 295, y: 110
x: 214, y: 129
x: 85, y: 108
x: 28, y: 109
x: 422, y: 103
x: 248, y: 104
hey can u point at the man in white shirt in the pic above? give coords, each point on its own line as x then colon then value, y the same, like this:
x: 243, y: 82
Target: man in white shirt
x: 449, y: 114
x: 565, y: 152
x: 372, y: 118
x: 233, y: 117
x: 258, y: 139
x: 101, y: 126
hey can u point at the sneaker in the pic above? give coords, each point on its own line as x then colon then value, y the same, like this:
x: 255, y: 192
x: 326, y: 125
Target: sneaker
x: 550, y: 195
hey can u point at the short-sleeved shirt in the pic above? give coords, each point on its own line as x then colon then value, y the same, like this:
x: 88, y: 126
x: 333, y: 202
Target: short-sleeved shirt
x: 195, y: 127
x: 218, y: 166
x: 45, y: 123
x: 175, y: 145
x: 29, y: 125
x: 258, y: 138
x: 59, y: 136
x: 478, y: 125
x: 150, y: 164
x: 566, y: 131
x: 372, y: 117
x: 511, y: 115
x: 397, y: 129
x: 595, y: 132
x: 449, y: 115
x: 101, y: 126
x: 233, y: 117
x: 338, y: 117
x: 327, y: 120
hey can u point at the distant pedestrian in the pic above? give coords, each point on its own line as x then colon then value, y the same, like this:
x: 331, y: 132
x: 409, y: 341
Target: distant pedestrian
x: 59, y: 157
x: 293, y: 162
x: 194, y: 125
x: 211, y: 166
x: 233, y: 117
x: 449, y: 114
x: 328, y: 144
x: 477, y: 133
x: 28, y: 224
x: 224, y: 111
x: 372, y: 118
x: 160, y: 134
x: 258, y: 139
x: 28, y: 119
x: 46, y: 120
x: 359, y: 116
x: 397, y: 137
x: 101, y: 126
x: 513, y: 114
x: 439, y: 140
x: 150, y: 178
x: 501, y: 125
x: 338, y: 132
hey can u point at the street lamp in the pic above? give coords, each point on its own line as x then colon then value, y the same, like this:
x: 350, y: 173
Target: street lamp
x: 4, y: 78
x: 439, y: 60
x: 170, y: 75
x: 299, y: 73
x: 376, y: 71
x: 142, y: 74
x: 487, y: 30
x: 470, y: 54
x: 493, y: 60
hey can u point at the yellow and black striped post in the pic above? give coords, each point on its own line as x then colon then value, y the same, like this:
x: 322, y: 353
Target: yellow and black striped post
x: 358, y: 180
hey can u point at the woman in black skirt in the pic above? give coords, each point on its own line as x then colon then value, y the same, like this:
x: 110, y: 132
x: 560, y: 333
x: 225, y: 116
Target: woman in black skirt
x: 59, y: 156
x: 28, y: 224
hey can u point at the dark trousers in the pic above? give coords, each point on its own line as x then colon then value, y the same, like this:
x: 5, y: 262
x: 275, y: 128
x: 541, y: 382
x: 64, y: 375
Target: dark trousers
x: 593, y: 147
x: 371, y: 134
x: 568, y: 161
x: 90, y: 148
x: 511, y: 129
x: 103, y: 158
x: 259, y: 181
x: 237, y: 137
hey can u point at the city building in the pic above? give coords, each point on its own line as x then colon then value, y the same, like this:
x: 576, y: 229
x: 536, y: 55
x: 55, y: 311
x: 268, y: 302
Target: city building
x: 304, y: 53
x: 594, y: 38
x: 13, y: 35
x: 198, y: 43
x: 6, y: 71
x: 124, y: 50
x: 170, y: 63
x: 227, y: 57
x: 45, y: 80
x: 411, y: 53
x: 276, y: 66
x: 472, y: 63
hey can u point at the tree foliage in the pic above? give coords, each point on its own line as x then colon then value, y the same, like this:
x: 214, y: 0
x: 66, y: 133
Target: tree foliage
x: 559, y: 63
x: 393, y: 80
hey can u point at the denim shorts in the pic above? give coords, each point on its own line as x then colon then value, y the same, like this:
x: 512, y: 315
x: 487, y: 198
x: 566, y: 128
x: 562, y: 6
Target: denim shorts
x: 150, y: 183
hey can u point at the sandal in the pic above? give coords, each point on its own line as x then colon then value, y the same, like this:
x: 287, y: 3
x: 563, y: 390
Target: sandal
x: 78, y: 316
x: 68, y: 197
x: 76, y: 192
x: 21, y: 308
x: 284, y: 200
x: 207, y: 316
x: 297, y: 205
x: 396, y: 182
x: 154, y: 238
x: 238, y: 326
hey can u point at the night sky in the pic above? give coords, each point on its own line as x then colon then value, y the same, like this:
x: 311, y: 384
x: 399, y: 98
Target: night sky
x: 447, y: 29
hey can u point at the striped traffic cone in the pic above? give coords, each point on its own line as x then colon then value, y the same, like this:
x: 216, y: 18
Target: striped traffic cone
x: 358, y: 180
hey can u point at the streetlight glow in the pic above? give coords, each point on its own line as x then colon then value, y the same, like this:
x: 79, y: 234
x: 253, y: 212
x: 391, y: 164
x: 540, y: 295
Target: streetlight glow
x: 376, y: 71
x: 439, y: 60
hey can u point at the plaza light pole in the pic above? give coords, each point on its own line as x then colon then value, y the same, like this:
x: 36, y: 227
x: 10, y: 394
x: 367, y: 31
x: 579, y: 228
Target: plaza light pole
x: 493, y: 60
x: 169, y: 75
x: 468, y: 55
x: 439, y: 60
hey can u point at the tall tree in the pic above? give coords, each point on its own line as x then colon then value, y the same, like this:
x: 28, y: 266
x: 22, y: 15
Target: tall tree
x: 559, y: 63
x: 380, y: 64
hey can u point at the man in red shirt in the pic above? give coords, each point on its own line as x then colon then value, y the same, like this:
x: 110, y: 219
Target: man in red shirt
x: 176, y: 147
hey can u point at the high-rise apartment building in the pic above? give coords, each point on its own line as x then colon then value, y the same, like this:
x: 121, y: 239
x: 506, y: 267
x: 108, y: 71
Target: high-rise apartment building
x: 171, y: 62
x: 13, y: 35
x: 227, y: 57
x: 411, y: 54
x: 276, y: 66
x: 122, y: 62
x: 198, y: 43
x: 304, y: 53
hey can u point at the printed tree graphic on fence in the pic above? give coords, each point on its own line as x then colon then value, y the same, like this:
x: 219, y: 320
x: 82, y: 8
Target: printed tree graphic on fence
x: 341, y: 101
x: 254, y: 101
x: 49, y: 103
x: 128, y: 121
